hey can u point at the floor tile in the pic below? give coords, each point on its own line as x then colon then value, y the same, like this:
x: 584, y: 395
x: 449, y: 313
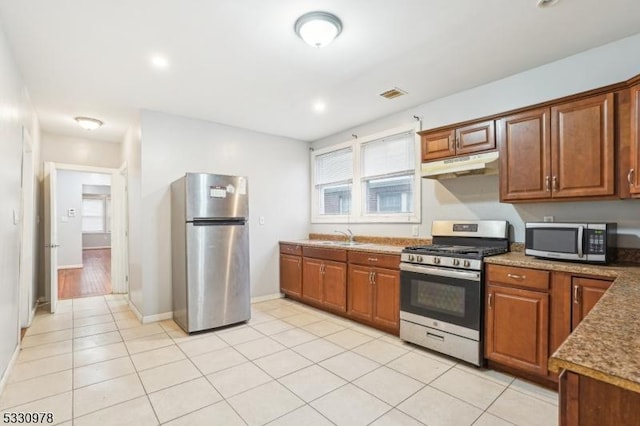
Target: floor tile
x: 96, y: 340
x: 218, y: 360
x: 167, y: 375
x: 238, y: 379
x: 524, y: 410
x: 101, y: 371
x: 40, y: 367
x: 143, y: 344
x: 50, y: 322
x: 389, y: 385
x: 396, y: 418
x: 282, y: 363
x: 318, y: 350
x: 323, y: 328
x: 59, y: 405
x: 104, y: 394
x: 202, y: 345
x: 264, y: 403
x: 169, y: 325
x: 348, y: 339
x: 157, y: 357
x: 118, y: 306
x: 37, y: 388
x: 94, y: 329
x: 302, y: 319
x: 123, y: 315
x: 468, y: 387
x: 436, y: 408
x: 304, y: 415
x: 419, y: 367
x: 258, y: 317
x: 293, y: 337
x: 102, y: 310
x: 283, y: 312
x: 240, y: 335
x: 259, y: 348
x: 44, y: 351
x: 141, y: 331
x: 369, y: 331
x: 134, y: 412
x: 218, y: 414
x: 441, y: 358
x: 535, y: 391
x: 93, y: 320
x: 487, y: 419
x: 272, y: 327
x: 126, y: 323
x: 99, y: 354
x: 351, y: 406
x: 495, y: 376
x: 312, y: 382
x: 45, y: 338
x: 185, y: 398
x: 380, y: 351
x: 349, y: 365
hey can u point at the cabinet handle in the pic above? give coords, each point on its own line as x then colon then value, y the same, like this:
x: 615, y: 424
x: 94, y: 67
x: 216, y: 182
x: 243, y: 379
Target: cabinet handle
x: 322, y: 266
x: 547, y: 183
x: 373, y: 278
x: 372, y: 259
x: 630, y: 177
x: 517, y: 277
x: 576, y: 295
x: 489, y: 301
x: 457, y: 143
x: 298, y: 263
x: 555, y: 183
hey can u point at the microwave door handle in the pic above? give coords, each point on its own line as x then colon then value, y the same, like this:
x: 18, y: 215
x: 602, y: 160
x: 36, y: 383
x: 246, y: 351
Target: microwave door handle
x: 580, y: 241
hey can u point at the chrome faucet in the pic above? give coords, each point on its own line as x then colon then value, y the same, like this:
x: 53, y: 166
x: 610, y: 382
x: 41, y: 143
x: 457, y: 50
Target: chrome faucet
x: 347, y: 234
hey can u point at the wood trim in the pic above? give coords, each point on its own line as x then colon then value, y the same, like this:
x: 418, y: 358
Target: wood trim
x: 559, y: 312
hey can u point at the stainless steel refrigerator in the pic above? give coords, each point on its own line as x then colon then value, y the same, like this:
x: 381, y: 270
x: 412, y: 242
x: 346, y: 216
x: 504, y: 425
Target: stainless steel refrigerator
x: 210, y: 251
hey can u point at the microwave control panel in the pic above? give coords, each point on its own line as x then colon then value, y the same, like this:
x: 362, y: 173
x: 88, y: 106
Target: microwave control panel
x: 596, y: 241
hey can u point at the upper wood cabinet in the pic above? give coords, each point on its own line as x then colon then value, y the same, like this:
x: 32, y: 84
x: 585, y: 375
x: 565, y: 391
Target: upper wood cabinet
x: 633, y: 175
x: 463, y: 140
x: 565, y: 151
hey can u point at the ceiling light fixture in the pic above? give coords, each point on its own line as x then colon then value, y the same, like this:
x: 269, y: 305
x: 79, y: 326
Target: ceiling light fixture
x: 88, y: 123
x: 159, y: 62
x: 318, y: 28
x: 547, y: 3
x: 319, y: 106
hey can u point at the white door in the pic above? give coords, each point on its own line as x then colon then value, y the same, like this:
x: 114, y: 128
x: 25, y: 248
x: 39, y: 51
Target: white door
x: 28, y: 224
x: 50, y: 235
x: 119, y: 226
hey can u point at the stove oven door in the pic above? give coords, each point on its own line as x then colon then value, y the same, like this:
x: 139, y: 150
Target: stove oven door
x: 445, y: 299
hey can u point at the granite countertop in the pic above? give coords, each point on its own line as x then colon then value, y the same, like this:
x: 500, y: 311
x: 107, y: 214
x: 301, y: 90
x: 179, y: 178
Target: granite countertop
x: 606, y: 344
x: 364, y: 246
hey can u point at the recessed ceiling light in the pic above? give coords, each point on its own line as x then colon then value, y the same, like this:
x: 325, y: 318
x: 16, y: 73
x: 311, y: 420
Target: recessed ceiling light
x: 318, y: 28
x: 88, y: 123
x: 159, y: 62
x: 319, y: 106
x: 546, y: 3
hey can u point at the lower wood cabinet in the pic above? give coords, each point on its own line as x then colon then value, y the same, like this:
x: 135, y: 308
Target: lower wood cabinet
x: 586, y: 293
x: 374, y: 296
x: 291, y: 275
x: 325, y: 283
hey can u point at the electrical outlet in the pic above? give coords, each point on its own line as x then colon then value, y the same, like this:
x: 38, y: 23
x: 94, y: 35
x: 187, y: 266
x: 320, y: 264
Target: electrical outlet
x: 415, y: 230
x: 261, y: 220
x: 548, y: 218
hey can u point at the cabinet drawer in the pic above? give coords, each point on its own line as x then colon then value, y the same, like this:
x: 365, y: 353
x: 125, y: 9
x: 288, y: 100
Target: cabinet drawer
x: 325, y: 253
x: 295, y: 250
x: 391, y: 261
x: 518, y: 277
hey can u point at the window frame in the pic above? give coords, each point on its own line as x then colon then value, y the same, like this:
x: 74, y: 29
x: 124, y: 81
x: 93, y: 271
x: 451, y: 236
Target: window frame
x: 358, y: 210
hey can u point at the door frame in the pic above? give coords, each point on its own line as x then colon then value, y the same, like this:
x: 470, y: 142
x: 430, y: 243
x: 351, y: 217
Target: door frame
x: 119, y: 257
x: 28, y: 232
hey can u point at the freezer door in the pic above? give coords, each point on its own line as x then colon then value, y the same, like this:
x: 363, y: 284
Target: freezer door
x: 210, y: 196
x: 218, y: 291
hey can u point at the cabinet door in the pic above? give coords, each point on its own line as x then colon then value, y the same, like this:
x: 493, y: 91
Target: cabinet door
x: 334, y: 277
x: 291, y: 275
x: 582, y: 144
x: 475, y: 138
x: 360, y: 298
x: 312, y: 279
x: 633, y: 176
x: 525, y: 155
x: 517, y: 328
x: 437, y: 145
x: 586, y: 293
x: 386, y: 308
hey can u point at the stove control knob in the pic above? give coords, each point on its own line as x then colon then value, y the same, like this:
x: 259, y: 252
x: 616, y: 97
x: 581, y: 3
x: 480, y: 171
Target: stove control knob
x: 466, y: 263
x: 456, y: 262
x: 411, y: 258
x: 419, y: 259
x: 436, y: 260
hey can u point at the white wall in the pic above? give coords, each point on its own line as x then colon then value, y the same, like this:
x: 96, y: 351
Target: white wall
x: 69, y: 195
x: 476, y: 197
x: 277, y: 169
x: 15, y: 112
x: 84, y: 152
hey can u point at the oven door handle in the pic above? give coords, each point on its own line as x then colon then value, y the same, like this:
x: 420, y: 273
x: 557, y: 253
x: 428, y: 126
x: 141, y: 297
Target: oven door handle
x: 463, y: 275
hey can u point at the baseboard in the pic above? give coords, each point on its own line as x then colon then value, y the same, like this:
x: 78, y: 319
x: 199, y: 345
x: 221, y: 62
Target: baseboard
x: 70, y: 266
x: 7, y: 371
x: 96, y: 248
x: 267, y: 297
x: 135, y: 310
x: 32, y: 314
x: 157, y: 317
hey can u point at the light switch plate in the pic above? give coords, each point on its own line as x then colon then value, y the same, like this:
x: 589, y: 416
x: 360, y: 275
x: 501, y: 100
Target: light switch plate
x: 548, y: 218
x: 415, y: 230
x: 261, y: 220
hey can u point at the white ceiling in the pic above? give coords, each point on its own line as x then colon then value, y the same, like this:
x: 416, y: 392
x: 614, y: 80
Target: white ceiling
x: 238, y: 62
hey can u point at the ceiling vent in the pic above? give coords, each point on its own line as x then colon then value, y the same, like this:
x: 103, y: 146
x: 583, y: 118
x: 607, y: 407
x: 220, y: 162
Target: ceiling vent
x: 393, y: 93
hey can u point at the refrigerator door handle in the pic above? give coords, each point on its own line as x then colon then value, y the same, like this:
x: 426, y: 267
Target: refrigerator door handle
x: 218, y: 221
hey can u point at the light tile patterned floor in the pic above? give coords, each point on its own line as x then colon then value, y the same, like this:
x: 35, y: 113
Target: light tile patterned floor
x: 94, y: 363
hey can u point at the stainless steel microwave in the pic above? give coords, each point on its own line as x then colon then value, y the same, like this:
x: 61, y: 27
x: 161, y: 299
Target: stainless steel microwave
x: 579, y: 242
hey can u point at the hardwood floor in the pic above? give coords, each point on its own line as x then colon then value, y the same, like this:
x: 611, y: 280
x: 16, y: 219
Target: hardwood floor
x: 94, y: 279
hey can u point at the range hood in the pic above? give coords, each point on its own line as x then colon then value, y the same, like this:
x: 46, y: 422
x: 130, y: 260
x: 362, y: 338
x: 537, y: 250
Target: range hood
x: 477, y: 164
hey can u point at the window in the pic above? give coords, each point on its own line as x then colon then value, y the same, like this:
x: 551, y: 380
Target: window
x: 372, y: 179
x: 96, y: 213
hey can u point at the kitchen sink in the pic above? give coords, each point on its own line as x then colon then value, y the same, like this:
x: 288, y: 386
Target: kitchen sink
x: 341, y: 243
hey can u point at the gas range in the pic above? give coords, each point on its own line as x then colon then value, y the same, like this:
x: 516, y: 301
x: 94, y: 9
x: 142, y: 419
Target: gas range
x: 453, y: 256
